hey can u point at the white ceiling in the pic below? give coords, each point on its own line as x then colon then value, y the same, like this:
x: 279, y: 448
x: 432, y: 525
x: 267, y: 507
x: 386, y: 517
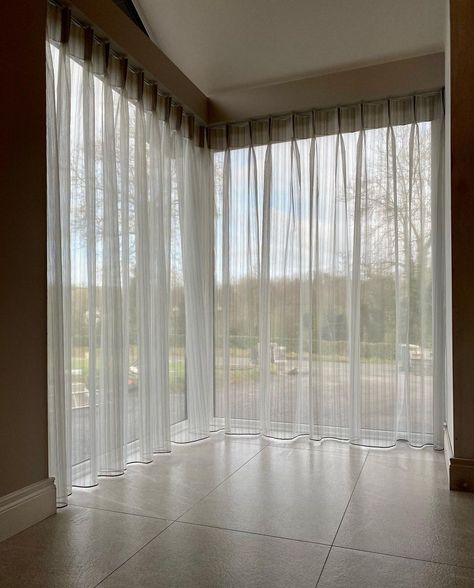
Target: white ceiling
x: 227, y: 44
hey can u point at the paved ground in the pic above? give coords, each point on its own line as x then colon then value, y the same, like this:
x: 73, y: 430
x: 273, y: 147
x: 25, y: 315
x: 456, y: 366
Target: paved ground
x: 383, y: 396
x: 384, y: 393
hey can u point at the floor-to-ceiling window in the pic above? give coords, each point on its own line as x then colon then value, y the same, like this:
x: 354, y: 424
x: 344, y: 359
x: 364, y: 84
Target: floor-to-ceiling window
x: 324, y: 277
x: 127, y: 177
x: 282, y: 276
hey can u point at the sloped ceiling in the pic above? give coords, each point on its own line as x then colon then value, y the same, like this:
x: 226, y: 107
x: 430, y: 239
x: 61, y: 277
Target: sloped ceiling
x: 236, y: 44
x: 129, y: 9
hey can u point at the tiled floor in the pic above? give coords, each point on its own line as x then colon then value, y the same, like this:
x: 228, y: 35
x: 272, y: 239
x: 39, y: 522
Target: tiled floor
x: 242, y: 511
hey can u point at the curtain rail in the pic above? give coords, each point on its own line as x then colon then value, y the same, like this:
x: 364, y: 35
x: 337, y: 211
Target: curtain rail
x: 420, y: 107
x: 85, y: 45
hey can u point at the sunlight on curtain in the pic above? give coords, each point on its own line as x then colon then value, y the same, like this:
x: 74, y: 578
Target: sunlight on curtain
x: 324, y: 276
x: 127, y: 216
x: 286, y: 277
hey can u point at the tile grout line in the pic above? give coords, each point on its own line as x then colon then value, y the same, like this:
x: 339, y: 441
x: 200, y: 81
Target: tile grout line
x: 177, y: 520
x: 220, y: 484
x: 342, y: 518
x: 164, y: 518
x: 133, y: 554
x: 439, y: 563
x: 121, y: 512
x: 372, y: 453
x: 172, y: 520
x: 350, y: 498
x: 208, y: 526
x: 368, y: 454
x: 323, y: 566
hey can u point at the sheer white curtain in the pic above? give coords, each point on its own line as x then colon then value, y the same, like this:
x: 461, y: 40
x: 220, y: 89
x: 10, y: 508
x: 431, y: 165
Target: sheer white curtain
x: 130, y: 218
x: 289, y: 280
x: 329, y: 274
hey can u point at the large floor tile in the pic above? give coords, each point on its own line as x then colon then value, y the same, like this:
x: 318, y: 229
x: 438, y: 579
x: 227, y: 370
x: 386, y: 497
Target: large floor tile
x: 283, y: 492
x: 173, y: 483
x: 404, y: 507
x: 77, y: 547
x: 358, y: 569
x: 193, y: 556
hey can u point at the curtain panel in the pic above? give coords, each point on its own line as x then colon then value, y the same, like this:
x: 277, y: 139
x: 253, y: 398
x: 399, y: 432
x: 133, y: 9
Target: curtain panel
x: 330, y: 273
x: 130, y: 213
x: 283, y: 276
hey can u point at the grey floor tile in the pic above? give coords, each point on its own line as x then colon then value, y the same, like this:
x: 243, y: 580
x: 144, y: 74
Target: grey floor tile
x: 356, y: 569
x: 404, y: 507
x: 283, y: 492
x: 172, y: 483
x: 193, y: 556
x: 77, y: 547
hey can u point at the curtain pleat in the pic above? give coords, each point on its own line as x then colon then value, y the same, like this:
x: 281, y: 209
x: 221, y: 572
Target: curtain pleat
x: 287, y: 279
x: 159, y: 197
x: 333, y: 245
x: 196, y: 219
x: 130, y: 214
x: 58, y: 454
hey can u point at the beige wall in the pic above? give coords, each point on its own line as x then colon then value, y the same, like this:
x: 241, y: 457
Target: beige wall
x: 23, y: 412
x: 369, y: 83
x: 23, y: 416
x: 396, y: 78
x: 462, y: 211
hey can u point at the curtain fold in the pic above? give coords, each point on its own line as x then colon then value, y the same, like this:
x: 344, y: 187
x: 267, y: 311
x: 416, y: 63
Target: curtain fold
x: 330, y: 281
x: 196, y: 221
x: 287, y: 278
x: 130, y: 215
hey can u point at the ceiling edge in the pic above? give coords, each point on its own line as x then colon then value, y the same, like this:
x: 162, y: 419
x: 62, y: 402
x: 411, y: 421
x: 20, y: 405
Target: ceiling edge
x: 390, y: 79
x: 109, y: 21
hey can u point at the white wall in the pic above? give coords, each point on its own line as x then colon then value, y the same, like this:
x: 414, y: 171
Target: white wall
x: 395, y: 78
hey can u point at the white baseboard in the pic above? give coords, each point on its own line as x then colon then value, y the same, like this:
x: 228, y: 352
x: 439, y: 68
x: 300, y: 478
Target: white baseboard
x: 26, y: 506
